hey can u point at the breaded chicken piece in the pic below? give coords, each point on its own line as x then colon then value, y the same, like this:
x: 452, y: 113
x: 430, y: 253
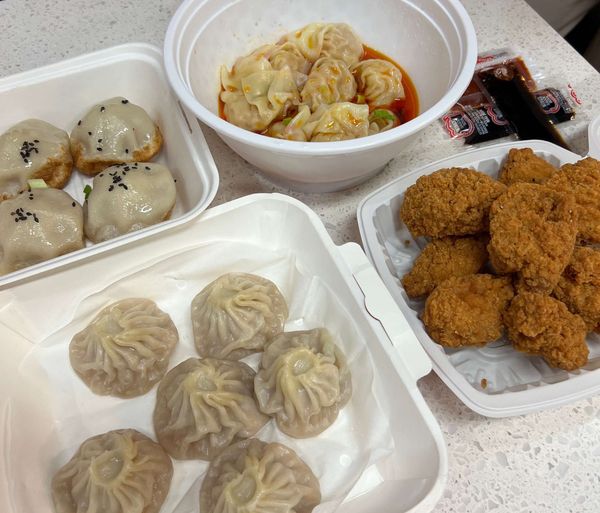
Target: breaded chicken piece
x: 541, y: 325
x: 442, y: 259
x: 453, y: 201
x: 467, y: 311
x: 583, y: 180
x: 579, y: 286
x: 522, y: 165
x: 532, y: 232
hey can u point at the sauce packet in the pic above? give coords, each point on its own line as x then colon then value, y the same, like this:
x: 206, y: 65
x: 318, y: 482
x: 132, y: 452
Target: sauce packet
x: 507, y: 98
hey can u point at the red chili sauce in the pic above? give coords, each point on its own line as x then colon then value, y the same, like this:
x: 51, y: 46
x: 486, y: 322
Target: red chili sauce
x: 405, y: 109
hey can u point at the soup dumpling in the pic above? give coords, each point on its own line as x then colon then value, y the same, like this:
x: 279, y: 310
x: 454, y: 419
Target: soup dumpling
x: 120, y: 471
x: 38, y: 225
x: 112, y: 132
x: 303, y: 381
x: 33, y: 149
x: 125, y: 350
x: 236, y: 315
x: 128, y: 197
x: 329, y: 81
x: 379, y: 81
x: 260, y: 477
x: 204, y: 405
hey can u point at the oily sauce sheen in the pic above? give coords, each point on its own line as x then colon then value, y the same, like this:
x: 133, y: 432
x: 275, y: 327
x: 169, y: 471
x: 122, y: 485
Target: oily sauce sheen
x: 405, y: 109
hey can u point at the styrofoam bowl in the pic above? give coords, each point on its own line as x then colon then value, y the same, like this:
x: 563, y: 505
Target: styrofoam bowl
x: 433, y: 40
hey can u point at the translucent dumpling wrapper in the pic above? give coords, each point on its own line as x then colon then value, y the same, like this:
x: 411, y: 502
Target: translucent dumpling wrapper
x: 288, y: 54
x: 255, y: 92
x: 329, y: 81
x: 303, y: 381
x: 340, y: 42
x: 263, y: 96
x: 204, y: 405
x: 33, y: 149
x: 125, y: 350
x: 254, y: 476
x: 236, y: 315
x: 338, y: 122
x: 309, y: 40
x: 128, y: 197
x: 379, y: 81
x: 113, y: 131
x: 120, y: 471
x: 38, y: 225
x: 381, y: 120
x: 293, y: 128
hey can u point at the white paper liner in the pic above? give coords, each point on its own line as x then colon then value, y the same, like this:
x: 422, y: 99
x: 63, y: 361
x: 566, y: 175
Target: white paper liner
x: 359, y: 437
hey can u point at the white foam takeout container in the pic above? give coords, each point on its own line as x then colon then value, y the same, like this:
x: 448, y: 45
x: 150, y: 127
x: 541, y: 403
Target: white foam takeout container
x: 409, y: 479
x: 516, y: 383
x: 62, y: 93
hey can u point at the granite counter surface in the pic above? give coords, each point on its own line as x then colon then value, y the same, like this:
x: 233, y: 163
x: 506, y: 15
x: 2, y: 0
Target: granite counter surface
x: 538, y: 463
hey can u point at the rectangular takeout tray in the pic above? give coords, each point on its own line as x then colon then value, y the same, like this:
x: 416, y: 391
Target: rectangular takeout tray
x: 410, y: 478
x: 62, y: 93
x: 496, y: 380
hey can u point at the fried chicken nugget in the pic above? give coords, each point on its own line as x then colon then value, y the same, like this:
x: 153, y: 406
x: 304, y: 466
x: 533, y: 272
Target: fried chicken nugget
x: 583, y: 180
x: 532, y: 232
x: 442, y: 259
x: 522, y: 165
x: 467, y: 311
x: 579, y: 286
x: 454, y: 201
x: 541, y: 325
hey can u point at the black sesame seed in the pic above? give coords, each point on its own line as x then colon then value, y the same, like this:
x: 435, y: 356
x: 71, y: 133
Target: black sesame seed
x: 79, y: 123
x: 175, y: 180
x: 126, y: 150
x: 126, y: 168
x: 111, y: 188
x: 99, y: 140
x: 73, y: 204
x: 101, y: 174
x: 147, y: 167
x: 28, y: 213
x: 99, y: 149
x: 89, y: 133
x: 16, y: 219
x: 26, y: 161
x: 36, y: 219
x: 102, y: 109
x: 124, y: 102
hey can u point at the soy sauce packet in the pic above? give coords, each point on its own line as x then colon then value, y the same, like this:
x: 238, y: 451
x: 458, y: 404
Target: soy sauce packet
x: 509, y: 99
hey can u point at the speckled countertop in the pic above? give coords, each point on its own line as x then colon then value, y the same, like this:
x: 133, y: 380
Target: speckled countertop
x: 542, y: 462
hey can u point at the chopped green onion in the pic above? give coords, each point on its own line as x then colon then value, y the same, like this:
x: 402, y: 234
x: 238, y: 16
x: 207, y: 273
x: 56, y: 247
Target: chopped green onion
x: 37, y: 183
x: 360, y: 98
x: 383, y: 114
x: 86, y: 190
x: 286, y: 121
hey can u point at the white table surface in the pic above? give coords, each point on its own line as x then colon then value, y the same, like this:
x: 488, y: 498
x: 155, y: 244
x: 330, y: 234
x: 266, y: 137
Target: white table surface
x: 542, y: 462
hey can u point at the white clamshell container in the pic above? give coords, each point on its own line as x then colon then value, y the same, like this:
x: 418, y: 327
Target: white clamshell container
x: 409, y: 477
x: 496, y: 380
x: 62, y: 93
